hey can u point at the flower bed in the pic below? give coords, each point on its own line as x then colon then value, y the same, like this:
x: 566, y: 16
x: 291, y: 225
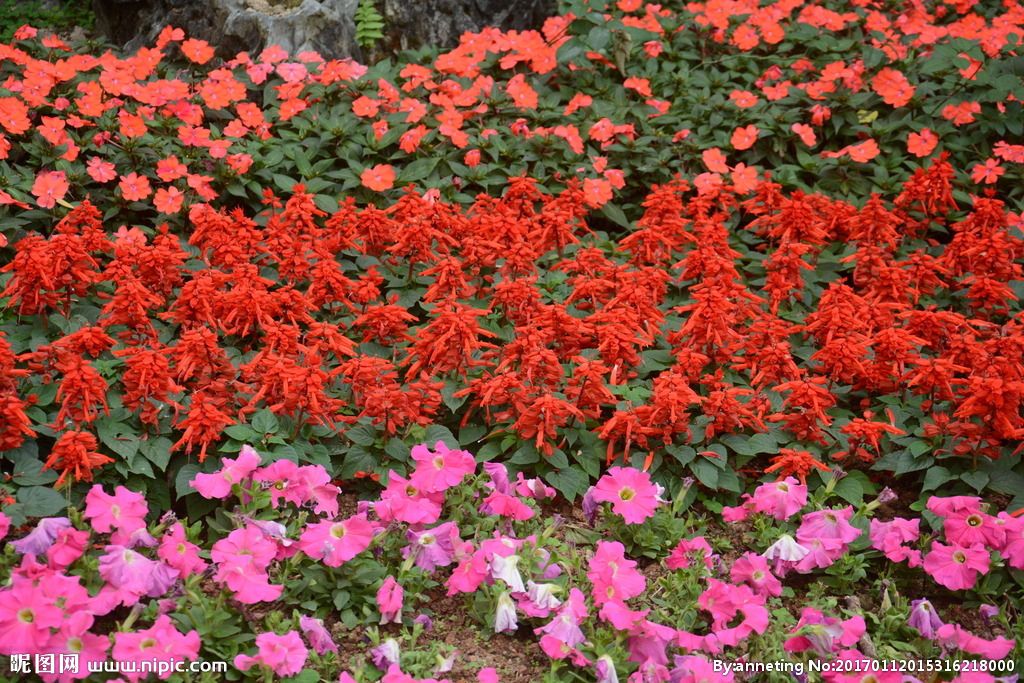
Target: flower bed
x: 619, y: 587
x: 721, y: 300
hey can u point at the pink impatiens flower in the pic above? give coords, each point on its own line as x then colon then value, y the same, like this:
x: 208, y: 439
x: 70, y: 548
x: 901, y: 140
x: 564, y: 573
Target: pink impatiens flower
x: 335, y: 543
x: 780, y: 499
x: 956, y: 567
x: 630, y: 491
x: 284, y: 655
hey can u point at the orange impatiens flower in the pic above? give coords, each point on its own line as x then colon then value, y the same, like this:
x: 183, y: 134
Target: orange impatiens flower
x: 744, y: 137
x: 521, y: 92
x: 597, y: 191
x: 744, y: 99
x: 75, y: 454
x: 988, y: 172
x: 378, y: 178
x: 49, y: 188
x: 922, y: 144
x: 198, y: 51
x: 805, y: 133
x: 135, y: 187
x: 893, y: 87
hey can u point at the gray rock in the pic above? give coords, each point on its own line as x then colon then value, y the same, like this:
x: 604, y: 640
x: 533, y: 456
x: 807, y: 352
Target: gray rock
x: 325, y: 26
x: 233, y: 26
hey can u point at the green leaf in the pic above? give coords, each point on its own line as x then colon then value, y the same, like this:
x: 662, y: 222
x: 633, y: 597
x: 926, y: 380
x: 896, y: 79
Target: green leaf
x: 362, y: 434
x: 435, y: 433
x: 41, y: 501
x: 418, y: 169
x: 186, y: 474
x: 976, y: 480
x: 357, y: 459
x: 265, y: 422
x: 935, y: 477
x: 705, y: 472
x: 570, y: 482
x: 751, y: 445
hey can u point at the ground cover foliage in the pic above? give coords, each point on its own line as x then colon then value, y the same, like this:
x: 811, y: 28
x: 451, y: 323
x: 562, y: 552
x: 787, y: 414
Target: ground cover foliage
x: 723, y: 244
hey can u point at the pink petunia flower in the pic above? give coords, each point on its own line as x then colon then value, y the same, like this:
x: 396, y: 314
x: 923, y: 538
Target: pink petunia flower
x: 690, y: 550
x: 161, y: 642
x: 612, y: 575
x: 337, y: 542
x: 319, y: 637
x: 630, y: 491
x: 177, y: 552
x: 440, y: 469
x: 956, y: 567
x: 217, y: 485
x: 284, y: 655
x: 890, y: 538
x: 753, y: 570
x: 780, y: 499
x: 122, y: 513
x: 242, y: 559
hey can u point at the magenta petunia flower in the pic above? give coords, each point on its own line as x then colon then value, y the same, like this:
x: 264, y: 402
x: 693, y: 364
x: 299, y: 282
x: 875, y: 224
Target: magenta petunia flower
x: 389, y: 601
x: 317, y: 635
x: 284, y: 655
x: 39, y: 540
x: 433, y: 547
x: 134, y: 575
x: 335, y: 543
